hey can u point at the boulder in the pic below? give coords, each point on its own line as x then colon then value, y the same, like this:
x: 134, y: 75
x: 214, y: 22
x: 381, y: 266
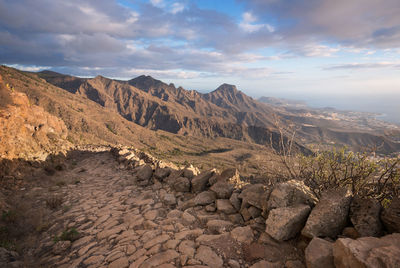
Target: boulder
x: 205, y: 198
x: 365, y: 216
x: 144, y: 173
x: 254, y: 212
x: 286, y: 222
x: 318, y: 254
x: 329, y: 216
x: 368, y: 252
x: 169, y: 199
x: 391, y: 216
x: 267, y: 264
x: 161, y: 173
x: 181, y: 184
x: 224, y: 206
x: 200, y: 182
x: 291, y: 193
x: 222, y: 189
x: 254, y: 195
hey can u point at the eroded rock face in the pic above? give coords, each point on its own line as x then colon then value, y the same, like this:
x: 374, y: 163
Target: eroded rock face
x: 368, y: 252
x: 285, y: 223
x: 365, y: 216
x: 329, y: 216
x: 318, y: 254
x: 391, y: 216
x: 291, y: 193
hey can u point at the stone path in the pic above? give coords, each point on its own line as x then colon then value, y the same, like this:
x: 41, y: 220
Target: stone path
x: 121, y: 224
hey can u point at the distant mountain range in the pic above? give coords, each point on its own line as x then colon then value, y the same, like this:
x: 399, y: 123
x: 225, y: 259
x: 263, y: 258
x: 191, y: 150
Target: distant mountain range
x: 107, y: 110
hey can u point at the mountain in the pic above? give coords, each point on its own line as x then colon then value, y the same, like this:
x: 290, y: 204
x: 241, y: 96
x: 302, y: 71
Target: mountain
x: 103, y: 110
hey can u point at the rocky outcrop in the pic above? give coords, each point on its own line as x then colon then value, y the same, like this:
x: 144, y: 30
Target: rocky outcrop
x: 391, y: 216
x: 329, y: 216
x: 368, y: 252
x: 286, y: 222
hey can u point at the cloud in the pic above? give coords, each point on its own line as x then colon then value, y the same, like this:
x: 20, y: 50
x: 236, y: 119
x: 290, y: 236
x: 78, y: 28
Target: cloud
x: 355, y: 66
x: 360, y: 23
x: 248, y: 24
x: 177, y: 7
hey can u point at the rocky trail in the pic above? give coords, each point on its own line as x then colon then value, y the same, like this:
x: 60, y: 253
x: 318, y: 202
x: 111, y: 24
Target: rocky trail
x: 123, y: 208
x: 114, y: 222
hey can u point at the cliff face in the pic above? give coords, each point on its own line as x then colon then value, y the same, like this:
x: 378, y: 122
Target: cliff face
x: 27, y: 131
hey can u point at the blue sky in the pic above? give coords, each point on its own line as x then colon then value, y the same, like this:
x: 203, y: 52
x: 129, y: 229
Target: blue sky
x: 286, y: 48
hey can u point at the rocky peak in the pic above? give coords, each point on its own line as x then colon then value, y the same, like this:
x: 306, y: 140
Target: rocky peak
x: 146, y: 83
x: 227, y: 88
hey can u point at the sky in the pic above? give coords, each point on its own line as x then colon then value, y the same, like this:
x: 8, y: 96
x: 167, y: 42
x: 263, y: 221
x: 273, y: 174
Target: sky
x: 313, y: 50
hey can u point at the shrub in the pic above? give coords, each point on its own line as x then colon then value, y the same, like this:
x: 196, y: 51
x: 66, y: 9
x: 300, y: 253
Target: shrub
x: 70, y: 234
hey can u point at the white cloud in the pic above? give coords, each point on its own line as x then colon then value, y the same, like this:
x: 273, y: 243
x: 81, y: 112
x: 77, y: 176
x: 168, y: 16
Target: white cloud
x: 177, y: 7
x: 29, y: 68
x: 157, y: 3
x: 248, y: 24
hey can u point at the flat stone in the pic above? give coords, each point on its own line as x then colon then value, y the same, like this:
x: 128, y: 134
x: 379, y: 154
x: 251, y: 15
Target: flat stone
x: 187, y: 218
x: 267, y: 264
x: 254, y: 195
x: 120, y: 263
x: 160, y: 258
x: 187, y: 247
x: 209, y: 257
x: 151, y: 215
x: 157, y: 240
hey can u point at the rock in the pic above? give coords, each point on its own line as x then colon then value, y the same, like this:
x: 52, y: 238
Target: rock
x: 267, y: 264
x: 187, y: 247
x: 254, y: 195
x: 120, y: 263
x: 243, y: 234
x: 174, y: 214
x: 286, y: 222
x: 222, y: 189
x: 291, y: 193
x: 211, y: 208
x: 160, y: 258
x: 365, y: 216
x: 245, y: 214
x: 190, y: 172
x: 187, y: 218
x: 229, y: 174
x: 350, y: 232
x: 233, y: 264
x: 205, y: 198
x: 169, y: 199
x: 391, y: 216
x: 235, y: 201
x: 161, y: 173
x: 318, y: 254
x: 144, y: 173
x: 200, y: 182
x: 294, y: 264
x: 209, y: 257
x: 329, y: 216
x: 367, y: 252
x: 254, y: 212
x: 236, y: 218
x: 7, y: 257
x: 61, y: 246
x: 181, y: 184
x: 218, y: 226
x: 224, y: 206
